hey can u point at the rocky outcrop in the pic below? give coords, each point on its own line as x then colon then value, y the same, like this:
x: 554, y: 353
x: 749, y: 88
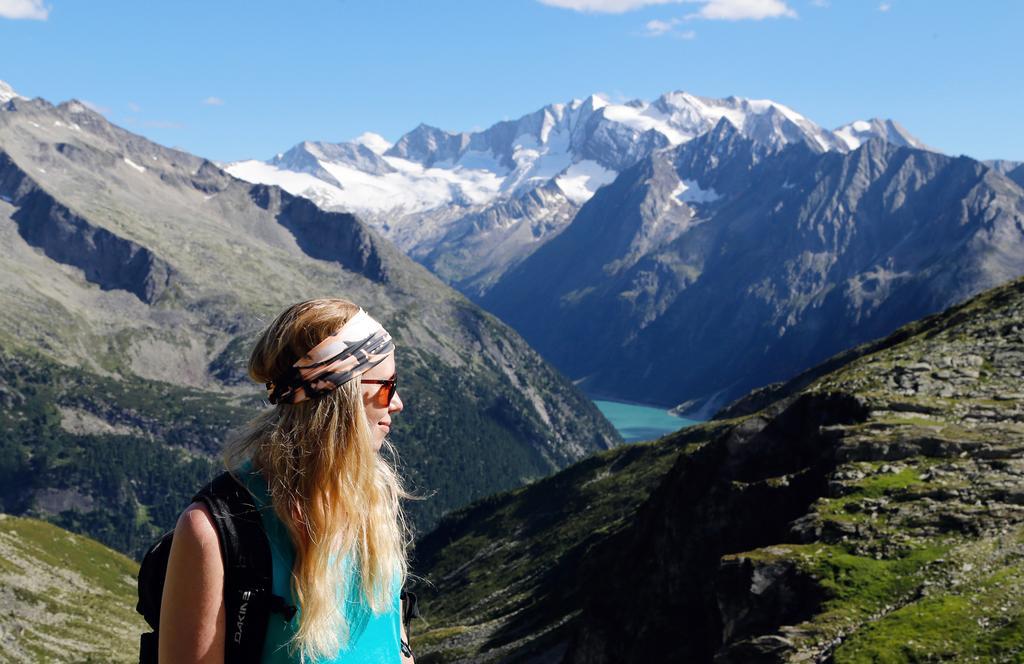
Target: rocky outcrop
x: 869, y: 510
x: 738, y: 492
x: 105, y: 258
x: 916, y: 448
x: 330, y: 236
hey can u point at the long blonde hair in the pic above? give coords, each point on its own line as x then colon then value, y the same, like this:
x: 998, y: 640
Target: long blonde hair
x: 338, y: 497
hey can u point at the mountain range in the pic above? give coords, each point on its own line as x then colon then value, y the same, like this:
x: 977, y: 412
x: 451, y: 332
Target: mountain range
x: 864, y: 507
x: 684, y: 251
x: 469, y: 205
x: 134, y: 281
x: 719, y: 266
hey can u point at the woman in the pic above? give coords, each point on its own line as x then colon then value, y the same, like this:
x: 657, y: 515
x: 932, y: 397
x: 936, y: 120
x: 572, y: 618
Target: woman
x: 330, y: 503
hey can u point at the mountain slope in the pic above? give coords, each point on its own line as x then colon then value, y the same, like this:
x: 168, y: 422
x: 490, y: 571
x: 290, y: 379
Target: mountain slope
x: 871, y: 515
x: 1011, y: 169
x: 717, y: 267
x: 65, y: 597
x: 131, y: 264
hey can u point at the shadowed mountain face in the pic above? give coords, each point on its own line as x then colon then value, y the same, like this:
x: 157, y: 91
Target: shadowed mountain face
x: 146, y: 273
x: 870, y: 511
x: 717, y: 267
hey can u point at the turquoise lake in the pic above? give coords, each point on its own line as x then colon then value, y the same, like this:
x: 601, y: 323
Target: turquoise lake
x: 636, y: 423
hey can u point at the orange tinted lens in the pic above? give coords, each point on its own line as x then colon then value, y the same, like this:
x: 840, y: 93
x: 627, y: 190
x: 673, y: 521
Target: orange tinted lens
x: 385, y: 393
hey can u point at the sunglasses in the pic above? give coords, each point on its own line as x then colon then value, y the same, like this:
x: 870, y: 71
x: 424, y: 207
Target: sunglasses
x: 388, y: 387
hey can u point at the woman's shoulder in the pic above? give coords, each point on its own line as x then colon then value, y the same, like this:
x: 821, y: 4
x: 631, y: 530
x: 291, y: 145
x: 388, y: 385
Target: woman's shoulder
x: 196, y: 532
x: 192, y: 627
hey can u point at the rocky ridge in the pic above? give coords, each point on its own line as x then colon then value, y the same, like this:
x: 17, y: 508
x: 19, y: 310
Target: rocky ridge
x: 873, y: 514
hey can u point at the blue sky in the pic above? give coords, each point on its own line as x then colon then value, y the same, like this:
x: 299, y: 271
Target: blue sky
x: 229, y: 80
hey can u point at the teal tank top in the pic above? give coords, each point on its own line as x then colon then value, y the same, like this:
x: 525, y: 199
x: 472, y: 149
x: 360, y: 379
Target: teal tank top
x: 373, y: 639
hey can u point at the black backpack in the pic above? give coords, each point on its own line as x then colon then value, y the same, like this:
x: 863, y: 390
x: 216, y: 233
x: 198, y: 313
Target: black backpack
x: 248, y: 575
x: 248, y: 572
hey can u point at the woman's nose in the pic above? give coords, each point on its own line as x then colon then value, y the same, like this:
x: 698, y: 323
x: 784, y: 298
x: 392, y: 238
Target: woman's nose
x: 396, y: 404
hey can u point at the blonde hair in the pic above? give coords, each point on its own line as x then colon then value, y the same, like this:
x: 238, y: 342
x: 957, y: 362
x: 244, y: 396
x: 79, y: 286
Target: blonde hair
x: 338, y: 497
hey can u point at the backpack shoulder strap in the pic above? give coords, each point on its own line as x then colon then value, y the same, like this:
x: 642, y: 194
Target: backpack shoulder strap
x: 410, y: 609
x: 248, y: 571
x: 152, y: 571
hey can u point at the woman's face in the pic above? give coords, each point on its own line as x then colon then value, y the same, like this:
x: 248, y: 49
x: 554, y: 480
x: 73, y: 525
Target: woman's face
x: 380, y: 416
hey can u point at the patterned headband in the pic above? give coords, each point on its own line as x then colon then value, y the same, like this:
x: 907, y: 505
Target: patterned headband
x: 361, y: 344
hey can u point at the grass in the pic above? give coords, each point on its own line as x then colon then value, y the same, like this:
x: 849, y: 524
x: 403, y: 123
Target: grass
x: 875, y: 485
x: 858, y: 586
x: 75, y: 597
x: 855, y: 587
x: 983, y: 621
x: 941, y: 600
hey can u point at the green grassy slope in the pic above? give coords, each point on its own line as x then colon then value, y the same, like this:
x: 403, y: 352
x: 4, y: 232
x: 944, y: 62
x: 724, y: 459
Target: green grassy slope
x: 65, y: 598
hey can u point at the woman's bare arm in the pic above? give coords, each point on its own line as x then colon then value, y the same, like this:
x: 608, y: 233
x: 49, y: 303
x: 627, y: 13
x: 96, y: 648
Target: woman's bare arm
x: 192, y: 618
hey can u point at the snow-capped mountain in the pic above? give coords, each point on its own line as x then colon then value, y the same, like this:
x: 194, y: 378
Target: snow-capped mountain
x: 7, y: 93
x: 856, y: 133
x: 716, y: 267
x: 454, y: 200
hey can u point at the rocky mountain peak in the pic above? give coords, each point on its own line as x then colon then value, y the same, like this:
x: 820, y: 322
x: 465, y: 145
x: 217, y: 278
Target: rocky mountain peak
x: 855, y: 133
x: 817, y: 251
x: 317, y: 158
x: 426, y: 145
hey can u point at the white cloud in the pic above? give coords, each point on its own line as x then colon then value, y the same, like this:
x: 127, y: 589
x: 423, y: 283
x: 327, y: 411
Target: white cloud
x: 605, y: 6
x: 658, y: 28
x: 614, y: 97
x: 133, y: 107
x: 30, y: 9
x: 213, y: 101
x: 884, y: 7
x: 725, y: 10
x: 739, y: 10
